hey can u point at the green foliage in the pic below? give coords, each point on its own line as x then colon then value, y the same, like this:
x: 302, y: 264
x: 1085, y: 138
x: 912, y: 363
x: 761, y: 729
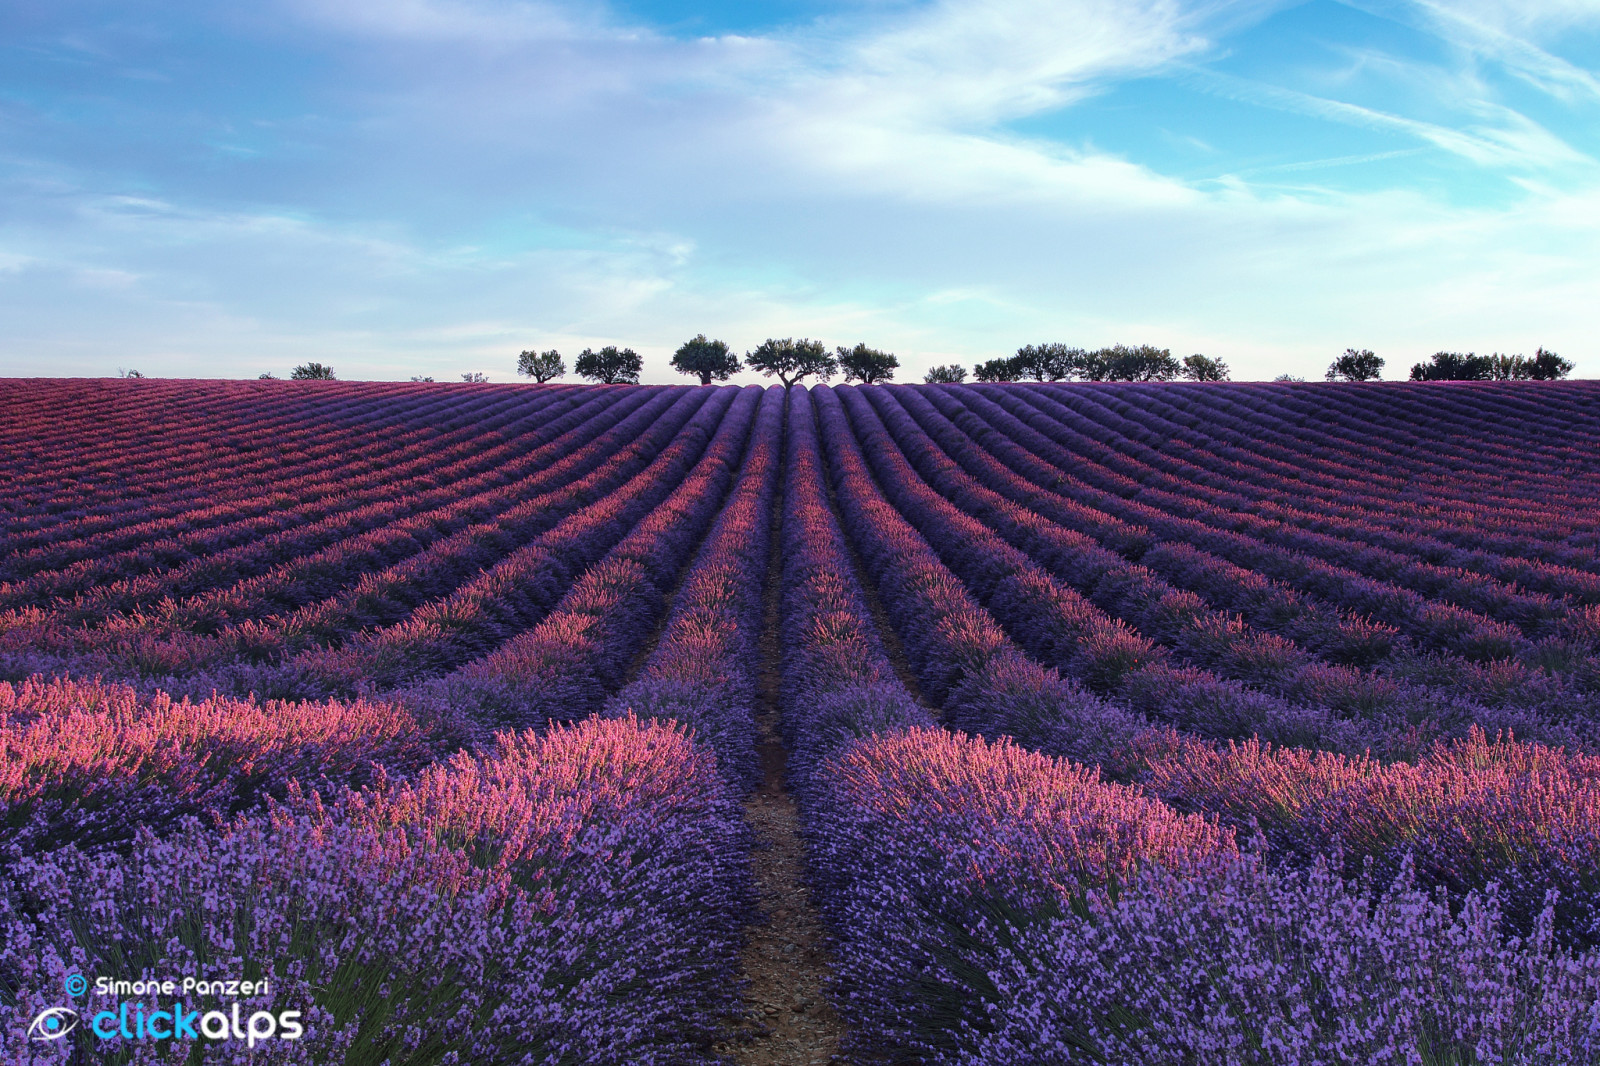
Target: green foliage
x: 1122, y: 363
x: 710, y: 360
x: 1548, y: 366
x: 1199, y: 367
x: 1453, y: 366
x: 1049, y: 362
x: 792, y: 360
x: 312, y: 372
x: 949, y: 374
x: 541, y: 366
x: 610, y: 365
x: 1355, y: 365
x: 866, y: 365
x: 1000, y: 370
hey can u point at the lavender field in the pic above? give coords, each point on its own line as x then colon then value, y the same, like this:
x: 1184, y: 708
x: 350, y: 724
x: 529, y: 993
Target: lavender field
x: 1180, y: 724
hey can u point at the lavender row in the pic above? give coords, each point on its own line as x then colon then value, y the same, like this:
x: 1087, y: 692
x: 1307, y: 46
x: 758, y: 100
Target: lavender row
x: 1508, y: 542
x: 473, y: 522
x: 964, y: 645
x: 1534, y: 613
x: 90, y: 764
x: 181, y: 474
x: 387, y: 595
x: 576, y: 897
x: 1482, y: 577
x: 196, y: 553
x: 1183, y: 621
x: 563, y: 668
x: 1039, y: 449
x: 701, y: 672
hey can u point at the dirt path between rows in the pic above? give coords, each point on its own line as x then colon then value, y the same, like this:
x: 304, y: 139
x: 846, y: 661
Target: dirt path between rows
x: 786, y: 955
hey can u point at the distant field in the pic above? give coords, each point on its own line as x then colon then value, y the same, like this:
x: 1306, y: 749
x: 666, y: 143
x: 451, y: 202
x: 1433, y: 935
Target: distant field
x: 1224, y: 723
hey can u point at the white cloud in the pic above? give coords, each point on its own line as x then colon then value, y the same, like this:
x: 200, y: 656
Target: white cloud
x: 575, y: 181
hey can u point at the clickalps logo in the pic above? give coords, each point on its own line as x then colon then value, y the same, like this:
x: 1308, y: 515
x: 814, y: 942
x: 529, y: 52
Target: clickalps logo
x: 140, y: 1020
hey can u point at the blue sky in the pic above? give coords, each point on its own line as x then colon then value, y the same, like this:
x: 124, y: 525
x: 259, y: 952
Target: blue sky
x: 405, y: 187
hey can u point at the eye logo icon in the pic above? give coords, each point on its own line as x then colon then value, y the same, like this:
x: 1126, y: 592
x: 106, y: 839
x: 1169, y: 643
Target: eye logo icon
x: 53, y: 1023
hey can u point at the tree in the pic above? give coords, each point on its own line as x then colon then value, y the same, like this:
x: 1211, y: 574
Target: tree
x: 1548, y: 366
x: 268, y: 376
x: 477, y: 377
x: 709, y: 359
x: 792, y: 360
x: 121, y: 373
x: 866, y: 365
x: 1355, y: 365
x: 1009, y: 369
x: 1048, y: 362
x: 949, y: 374
x: 541, y: 366
x: 1453, y: 366
x: 1121, y: 363
x: 420, y: 377
x: 610, y: 366
x: 1544, y: 366
x: 1287, y: 377
x: 1199, y: 367
x: 312, y: 372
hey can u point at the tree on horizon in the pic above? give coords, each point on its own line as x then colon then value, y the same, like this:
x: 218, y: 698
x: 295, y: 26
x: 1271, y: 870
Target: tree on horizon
x: 791, y: 360
x: 707, y: 359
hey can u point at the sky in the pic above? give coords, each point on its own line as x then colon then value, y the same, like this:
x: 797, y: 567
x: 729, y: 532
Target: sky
x: 428, y: 187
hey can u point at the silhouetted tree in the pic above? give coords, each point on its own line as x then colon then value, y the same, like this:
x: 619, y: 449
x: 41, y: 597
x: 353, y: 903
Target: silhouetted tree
x: 1007, y: 369
x: 1548, y: 366
x: 1355, y: 365
x: 1048, y: 362
x: 312, y: 372
x: 477, y: 377
x: 419, y: 377
x: 949, y: 374
x: 1199, y: 367
x: 541, y: 366
x: 268, y: 376
x: 792, y: 360
x: 1453, y: 366
x: 711, y: 360
x: 866, y: 365
x: 611, y: 366
x: 1122, y: 363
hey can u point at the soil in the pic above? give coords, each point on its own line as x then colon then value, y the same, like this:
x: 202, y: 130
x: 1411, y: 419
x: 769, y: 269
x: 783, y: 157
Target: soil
x: 790, y: 1019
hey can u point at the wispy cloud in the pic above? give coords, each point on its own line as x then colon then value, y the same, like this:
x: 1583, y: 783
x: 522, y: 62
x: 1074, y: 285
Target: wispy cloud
x: 428, y: 186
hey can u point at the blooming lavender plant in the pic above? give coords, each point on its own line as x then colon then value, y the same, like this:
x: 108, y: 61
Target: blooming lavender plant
x: 571, y: 898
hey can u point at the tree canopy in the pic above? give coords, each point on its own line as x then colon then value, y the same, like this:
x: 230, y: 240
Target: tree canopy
x: 541, y: 366
x: 792, y: 360
x: 949, y: 374
x: 1355, y: 365
x: 1122, y: 363
x: 710, y: 360
x: 1454, y: 366
x: 866, y: 365
x: 1006, y: 369
x: 1199, y: 367
x: 312, y: 372
x: 610, y: 365
x: 1048, y: 362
